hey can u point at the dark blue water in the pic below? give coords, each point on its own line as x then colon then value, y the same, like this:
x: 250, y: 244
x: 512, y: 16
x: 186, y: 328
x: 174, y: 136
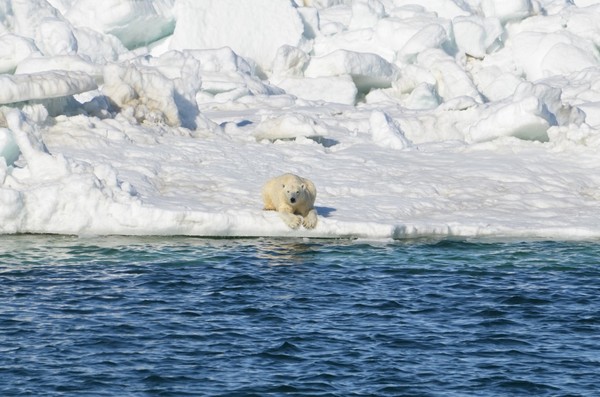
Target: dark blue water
x: 195, y: 317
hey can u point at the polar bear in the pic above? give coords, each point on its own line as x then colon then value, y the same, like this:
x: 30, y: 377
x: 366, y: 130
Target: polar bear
x: 294, y: 198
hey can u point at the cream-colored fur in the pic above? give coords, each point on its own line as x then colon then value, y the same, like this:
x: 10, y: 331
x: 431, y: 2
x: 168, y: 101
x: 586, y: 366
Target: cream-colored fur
x: 294, y: 198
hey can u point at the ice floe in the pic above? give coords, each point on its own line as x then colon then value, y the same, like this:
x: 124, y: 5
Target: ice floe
x: 476, y: 118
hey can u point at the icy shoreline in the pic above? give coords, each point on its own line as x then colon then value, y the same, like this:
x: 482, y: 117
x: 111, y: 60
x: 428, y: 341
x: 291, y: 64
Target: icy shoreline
x: 456, y: 119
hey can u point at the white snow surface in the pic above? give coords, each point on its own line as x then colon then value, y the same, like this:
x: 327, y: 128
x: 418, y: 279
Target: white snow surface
x: 445, y: 118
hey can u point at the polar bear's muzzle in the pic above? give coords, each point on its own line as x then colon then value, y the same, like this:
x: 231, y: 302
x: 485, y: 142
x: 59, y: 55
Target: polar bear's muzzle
x: 292, y: 200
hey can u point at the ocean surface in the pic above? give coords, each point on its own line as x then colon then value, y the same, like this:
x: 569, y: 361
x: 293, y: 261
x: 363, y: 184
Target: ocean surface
x: 117, y: 316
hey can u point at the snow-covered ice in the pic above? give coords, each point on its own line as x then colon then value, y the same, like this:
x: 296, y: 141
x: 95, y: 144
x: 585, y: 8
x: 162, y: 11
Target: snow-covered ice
x: 470, y: 118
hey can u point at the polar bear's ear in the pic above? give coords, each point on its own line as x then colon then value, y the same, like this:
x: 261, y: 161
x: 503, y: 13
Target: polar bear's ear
x: 283, y: 185
x: 303, y: 186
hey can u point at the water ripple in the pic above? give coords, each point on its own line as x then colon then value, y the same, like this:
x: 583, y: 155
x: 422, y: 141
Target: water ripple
x: 176, y: 317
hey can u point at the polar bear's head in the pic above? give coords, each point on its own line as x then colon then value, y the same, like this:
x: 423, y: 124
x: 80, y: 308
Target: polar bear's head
x: 294, y: 192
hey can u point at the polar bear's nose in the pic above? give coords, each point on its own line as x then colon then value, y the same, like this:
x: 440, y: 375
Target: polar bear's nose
x: 293, y: 200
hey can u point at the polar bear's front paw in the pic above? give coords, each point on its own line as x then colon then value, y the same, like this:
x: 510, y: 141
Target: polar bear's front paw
x: 293, y: 221
x: 310, y: 221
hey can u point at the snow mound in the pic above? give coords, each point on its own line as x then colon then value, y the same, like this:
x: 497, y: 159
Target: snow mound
x: 386, y: 132
x: 288, y: 127
x: 13, y: 50
x: 254, y: 30
x: 507, y: 10
x: 43, y: 85
x: 543, y: 55
x: 333, y: 89
x: 367, y: 70
x: 144, y: 93
x: 135, y: 23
